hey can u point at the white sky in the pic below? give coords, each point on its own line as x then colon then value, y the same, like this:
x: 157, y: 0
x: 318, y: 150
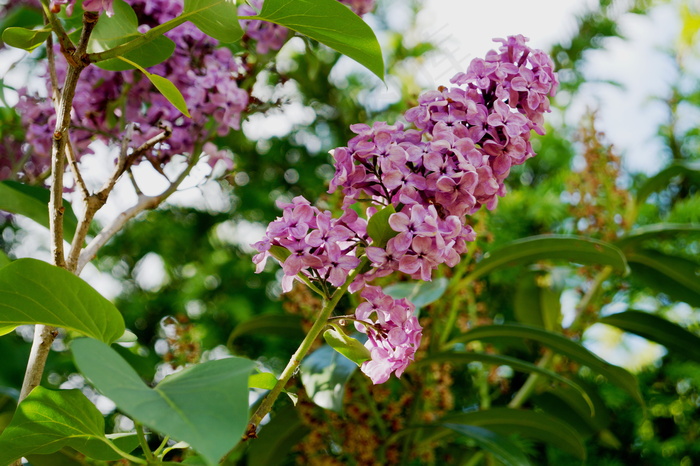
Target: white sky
x: 628, y: 116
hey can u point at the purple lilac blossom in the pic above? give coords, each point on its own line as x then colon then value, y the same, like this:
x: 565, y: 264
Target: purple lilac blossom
x: 106, y: 100
x: 393, y: 333
x: 452, y: 162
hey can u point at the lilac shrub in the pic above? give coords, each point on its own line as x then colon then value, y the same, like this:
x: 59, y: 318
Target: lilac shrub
x: 453, y: 161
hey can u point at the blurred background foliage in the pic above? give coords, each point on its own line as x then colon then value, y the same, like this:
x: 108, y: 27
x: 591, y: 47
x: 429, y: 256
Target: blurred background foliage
x: 188, y: 291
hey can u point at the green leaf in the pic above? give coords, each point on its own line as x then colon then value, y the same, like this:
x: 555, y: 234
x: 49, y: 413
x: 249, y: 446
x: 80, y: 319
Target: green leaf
x: 33, y: 203
x: 419, y: 293
x: 264, y: 380
x: 565, y: 404
x: 528, y: 424
x: 500, y: 360
x: 499, y: 446
x: 575, y: 249
x: 536, y: 304
x: 215, y: 18
x: 126, y: 442
x: 332, y: 24
x: 121, y: 28
x: 658, y: 231
x: 675, y: 276
x: 616, y: 375
x: 34, y: 292
x: 27, y: 39
x: 657, y: 329
x: 4, y: 260
x: 205, y: 405
x: 347, y: 346
x: 48, y: 420
x: 165, y: 87
x: 283, y: 325
x: 277, y: 438
x: 324, y: 374
x: 378, y: 227
x: 686, y: 169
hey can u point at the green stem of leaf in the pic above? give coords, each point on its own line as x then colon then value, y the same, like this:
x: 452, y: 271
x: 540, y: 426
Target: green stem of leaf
x: 144, y: 443
x: 531, y: 383
x: 293, y: 364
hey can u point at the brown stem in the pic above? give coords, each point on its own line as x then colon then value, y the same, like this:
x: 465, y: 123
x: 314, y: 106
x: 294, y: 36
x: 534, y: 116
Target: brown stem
x: 44, y: 335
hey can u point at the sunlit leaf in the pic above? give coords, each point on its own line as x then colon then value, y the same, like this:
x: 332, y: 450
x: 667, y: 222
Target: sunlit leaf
x: 264, y: 380
x: 34, y: 292
x: 205, y: 405
x: 659, y: 330
x: 332, y: 24
x: 48, y: 420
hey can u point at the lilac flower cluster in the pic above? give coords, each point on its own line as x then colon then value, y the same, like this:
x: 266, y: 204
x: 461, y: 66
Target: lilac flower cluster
x: 318, y: 244
x: 454, y: 161
x: 207, y: 76
x: 392, y: 338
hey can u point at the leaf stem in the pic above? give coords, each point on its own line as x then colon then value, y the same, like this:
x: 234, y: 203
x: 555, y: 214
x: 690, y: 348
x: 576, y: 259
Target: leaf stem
x: 150, y: 457
x: 293, y: 364
x: 531, y: 383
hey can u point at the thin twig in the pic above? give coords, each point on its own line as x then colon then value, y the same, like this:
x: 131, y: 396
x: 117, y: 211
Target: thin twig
x: 144, y: 203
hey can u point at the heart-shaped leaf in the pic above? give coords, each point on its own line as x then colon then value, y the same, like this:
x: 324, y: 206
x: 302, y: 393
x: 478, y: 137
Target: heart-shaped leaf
x: 205, y: 405
x: 121, y: 28
x: 49, y: 420
x: 34, y: 292
x: 378, y: 227
x: 347, y: 346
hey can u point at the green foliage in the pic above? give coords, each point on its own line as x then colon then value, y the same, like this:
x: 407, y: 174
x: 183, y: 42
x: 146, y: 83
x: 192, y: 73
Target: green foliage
x: 378, y: 227
x: 48, y: 420
x: 215, y: 18
x: 32, y: 202
x: 34, y: 292
x: 121, y: 29
x: 330, y: 23
x: 165, y: 87
x: 563, y: 345
x: 27, y: 39
x: 324, y: 374
x: 573, y: 249
x: 499, y: 446
x: 205, y: 405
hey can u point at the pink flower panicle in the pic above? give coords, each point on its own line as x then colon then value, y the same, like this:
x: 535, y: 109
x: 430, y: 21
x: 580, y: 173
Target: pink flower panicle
x: 454, y: 160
